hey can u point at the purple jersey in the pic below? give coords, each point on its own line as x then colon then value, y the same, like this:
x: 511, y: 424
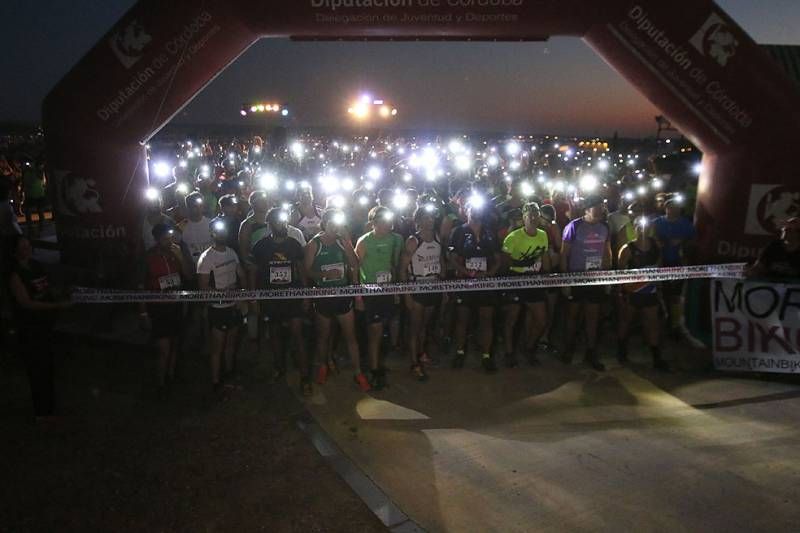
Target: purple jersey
x: 587, y: 245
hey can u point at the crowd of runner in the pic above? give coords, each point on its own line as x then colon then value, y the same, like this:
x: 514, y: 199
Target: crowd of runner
x: 325, y: 213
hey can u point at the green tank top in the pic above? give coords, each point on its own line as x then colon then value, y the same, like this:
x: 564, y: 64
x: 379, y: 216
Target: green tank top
x: 381, y: 257
x: 33, y: 183
x: 330, y: 259
x: 259, y: 232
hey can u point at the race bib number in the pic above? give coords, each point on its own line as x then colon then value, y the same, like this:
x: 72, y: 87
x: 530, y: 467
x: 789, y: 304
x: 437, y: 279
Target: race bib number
x: 383, y: 277
x: 280, y: 274
x: 170, y: 281
x: 476, y: 263
x: 333, y: 272
x: 594, y: 263
x: 431, y: 269
x: 534, y: 268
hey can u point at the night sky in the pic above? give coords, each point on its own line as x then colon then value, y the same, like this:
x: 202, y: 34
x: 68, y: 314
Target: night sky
x: 565, y: 86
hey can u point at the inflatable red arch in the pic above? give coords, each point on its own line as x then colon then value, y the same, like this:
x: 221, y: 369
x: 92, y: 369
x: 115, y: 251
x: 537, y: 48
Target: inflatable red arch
x: 687, y: 56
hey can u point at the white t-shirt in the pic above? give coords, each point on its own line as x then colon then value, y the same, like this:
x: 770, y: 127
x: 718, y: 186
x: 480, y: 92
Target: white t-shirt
x: 223, y: 266
x: 197, y: 237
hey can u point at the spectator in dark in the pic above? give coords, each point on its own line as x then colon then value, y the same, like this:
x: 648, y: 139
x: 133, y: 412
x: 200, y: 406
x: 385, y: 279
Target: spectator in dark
x: 8, y: 219
x: 780, y: 260
x: 35, y: 311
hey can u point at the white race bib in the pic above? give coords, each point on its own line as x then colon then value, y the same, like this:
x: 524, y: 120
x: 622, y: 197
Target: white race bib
x: 333, y: 272
x: 170, y: 281
x: 432, y: 268
x: 594, y: 263
x: 280, y: 274
x: 383, y: 277
x: 476, y: 263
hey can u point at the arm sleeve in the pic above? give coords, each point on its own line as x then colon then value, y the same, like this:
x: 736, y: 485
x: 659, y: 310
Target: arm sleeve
x: 569, y: 233
x: 204, y: 265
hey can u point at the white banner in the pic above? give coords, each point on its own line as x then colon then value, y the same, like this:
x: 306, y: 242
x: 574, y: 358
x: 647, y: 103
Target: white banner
x: 756, y: 326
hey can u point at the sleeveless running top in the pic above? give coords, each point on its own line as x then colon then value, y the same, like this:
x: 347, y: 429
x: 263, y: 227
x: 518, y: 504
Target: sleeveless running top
x: 259, y: 232
x: 381, y: 257
x: 427, y: 259
x: 330, y: 258
x: 310, y: 226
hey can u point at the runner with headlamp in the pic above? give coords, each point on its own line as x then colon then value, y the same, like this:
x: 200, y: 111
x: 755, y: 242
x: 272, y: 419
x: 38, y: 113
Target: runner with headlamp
x: 422, y: 261
x: 526, y: 251
x: 330, y: 261
x: 278, y: 262
x: 474, y: 253
x: 378, y: 252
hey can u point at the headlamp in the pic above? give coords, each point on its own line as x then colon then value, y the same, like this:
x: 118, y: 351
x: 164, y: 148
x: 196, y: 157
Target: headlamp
x: 268, y: 181
x: 476, y: 201
x: 527, y: 189
x: 338, y: 219
x: 161, y: 169
x: 151, y: 194
x: 400, y: 201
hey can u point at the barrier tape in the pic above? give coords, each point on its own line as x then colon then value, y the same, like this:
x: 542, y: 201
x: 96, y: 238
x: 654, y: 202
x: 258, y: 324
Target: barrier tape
x: 569, y: 279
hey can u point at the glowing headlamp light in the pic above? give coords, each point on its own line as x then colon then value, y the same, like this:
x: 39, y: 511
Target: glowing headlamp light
x: 151, y: 194
x: 337, y: 201
x: 527, y: 189
x: 476, y: 201
x: 161, y: 169
x: 268, y: 181
x: 338, y: 219
x: 400, y: 201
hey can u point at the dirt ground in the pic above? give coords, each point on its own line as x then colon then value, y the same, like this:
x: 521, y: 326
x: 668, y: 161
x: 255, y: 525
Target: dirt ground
x: 121, y: 460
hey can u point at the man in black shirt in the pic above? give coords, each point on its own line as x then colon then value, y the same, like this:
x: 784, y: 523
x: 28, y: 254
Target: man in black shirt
x: 279, y: 265
x: 780, y: 260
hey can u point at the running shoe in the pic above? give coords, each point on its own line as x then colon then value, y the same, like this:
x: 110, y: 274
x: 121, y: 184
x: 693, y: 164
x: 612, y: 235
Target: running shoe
x: 362, y: 382
x: 418, y: 371
x: 322, y: 374
x: 427, y: 360
x: 333, y: 368
x: 458, y: 360
x: 533, y: 360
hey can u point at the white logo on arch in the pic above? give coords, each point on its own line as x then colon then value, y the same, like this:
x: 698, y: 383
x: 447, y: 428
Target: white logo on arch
x: 128, y: 44
x: 715, y: 40
x: 769, y: 207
